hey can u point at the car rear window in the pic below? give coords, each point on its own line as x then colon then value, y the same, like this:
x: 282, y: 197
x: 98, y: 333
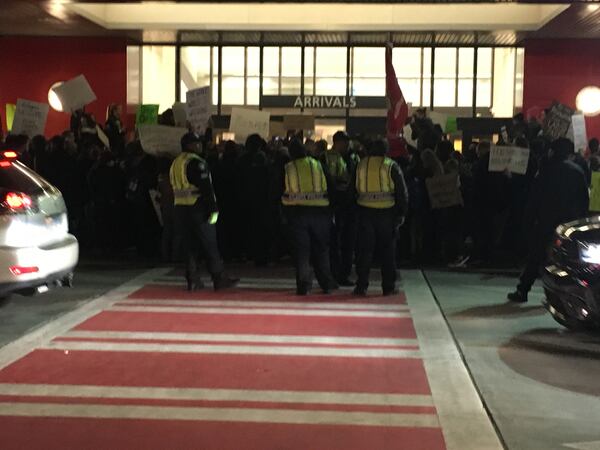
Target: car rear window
x: 18, y: 177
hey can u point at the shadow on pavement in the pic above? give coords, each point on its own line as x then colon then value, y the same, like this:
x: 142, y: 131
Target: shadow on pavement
x: 503, y: 309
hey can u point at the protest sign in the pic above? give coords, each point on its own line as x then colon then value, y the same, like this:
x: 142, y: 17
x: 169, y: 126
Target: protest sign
x: 102, y: 136
x: 444, y: 191
x: 513, y: 159
x: 146, y: 115
x: 30, y: 118
x: 198, y: 108
x: 595, y: 192
x: 557, y: 121
x: 451, y: 125
x: 161, y: 139
x: 298, y: 122
x: 504, y: 134
x: 10, y: 115
x: 180, y: 114
x: 245, y: 122
x: 579, y: 133
x: 276, y: 129
x: 75, y: 94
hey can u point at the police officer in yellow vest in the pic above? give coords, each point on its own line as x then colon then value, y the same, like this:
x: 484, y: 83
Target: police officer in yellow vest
x: 196, y: 214
x: 382, y: 203
x: 306, y: 205
x: 341, y: 165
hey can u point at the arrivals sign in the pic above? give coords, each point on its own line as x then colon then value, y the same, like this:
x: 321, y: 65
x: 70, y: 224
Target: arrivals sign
x: 323, y: 102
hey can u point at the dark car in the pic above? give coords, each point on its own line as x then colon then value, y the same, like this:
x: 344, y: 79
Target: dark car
x: 572, y: 276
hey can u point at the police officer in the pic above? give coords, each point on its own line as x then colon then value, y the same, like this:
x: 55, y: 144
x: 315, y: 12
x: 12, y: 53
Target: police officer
x: 341, y: 165
x: 196, y: 214
x: 382, y: 203
x: 306, y: 206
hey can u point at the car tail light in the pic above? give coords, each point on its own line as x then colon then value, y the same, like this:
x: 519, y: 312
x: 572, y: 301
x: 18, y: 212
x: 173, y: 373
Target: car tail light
x: 10, y: 154
x: 17, y: 201
x: 5, y: 163
x: 22, y: 270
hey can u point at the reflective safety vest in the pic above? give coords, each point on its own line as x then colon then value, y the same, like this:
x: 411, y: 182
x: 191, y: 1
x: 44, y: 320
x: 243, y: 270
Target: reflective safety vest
x: 338, y: 169
x: 374, y: 182
x: 305, y: 183
x: 185, y: 193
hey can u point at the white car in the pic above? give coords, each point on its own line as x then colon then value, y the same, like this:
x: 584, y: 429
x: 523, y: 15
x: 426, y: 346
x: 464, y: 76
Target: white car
x: 36, y: 250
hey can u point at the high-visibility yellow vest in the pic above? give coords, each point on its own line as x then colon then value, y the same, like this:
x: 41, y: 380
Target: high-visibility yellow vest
x: 374, y: 182
x: 305, y: 183
x: 338, y: 169
x: 185, y: 193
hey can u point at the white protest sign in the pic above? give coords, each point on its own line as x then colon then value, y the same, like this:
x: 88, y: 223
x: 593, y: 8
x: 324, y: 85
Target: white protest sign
x: 102, y: 136
x: 245, y: 122
x: 75, y: 93
x: 161, y: 139
x: 444, y: 191
x: 513, y: 159
x: 579, y: 132
x: 439, y: 118
x: 198, y: 108
x: 180, y: 114
x: 30, y: 118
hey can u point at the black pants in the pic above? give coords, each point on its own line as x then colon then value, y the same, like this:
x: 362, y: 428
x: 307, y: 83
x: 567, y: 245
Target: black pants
x: 536, y: 256
x: 309, y: 229
x: 193, y: 234
x: 343, y: 242
x: 376, y: 233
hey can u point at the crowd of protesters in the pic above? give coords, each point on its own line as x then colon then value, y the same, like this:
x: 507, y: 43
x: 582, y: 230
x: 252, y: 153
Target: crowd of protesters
x: 120, y: 197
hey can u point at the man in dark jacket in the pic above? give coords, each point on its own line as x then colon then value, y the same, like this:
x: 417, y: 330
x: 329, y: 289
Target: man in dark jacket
x: 559, y: 194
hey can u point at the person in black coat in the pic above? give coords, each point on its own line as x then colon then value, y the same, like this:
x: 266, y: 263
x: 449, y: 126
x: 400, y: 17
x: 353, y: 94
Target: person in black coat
x: 559, y: 194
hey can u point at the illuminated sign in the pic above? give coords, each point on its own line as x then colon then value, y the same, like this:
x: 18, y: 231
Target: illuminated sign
x: 323, y: 102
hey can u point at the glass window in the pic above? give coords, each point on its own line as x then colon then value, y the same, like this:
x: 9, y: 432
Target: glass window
x: 133, y: 75
x: 158, y: 76
x: 484, y: 77
x: 291, y: 70
x: 466, y: 59
x: 519, y: 70
x: 271, y: 71
x: 309, y: 71
x: 444, y: 84
x: 368, y: 71
x: 195, y: 68
x: 253, y: 75
x: 232, y: 90
x: 426, y: 77
x: 407, y: 63
x: 330, y: 71
x: 504, y: 82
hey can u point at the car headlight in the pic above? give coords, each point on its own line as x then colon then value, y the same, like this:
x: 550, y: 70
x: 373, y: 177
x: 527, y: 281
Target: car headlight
x: 590, y: 253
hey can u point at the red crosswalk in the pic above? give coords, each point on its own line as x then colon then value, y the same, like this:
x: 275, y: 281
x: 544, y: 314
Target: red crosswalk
x: 243, y: 369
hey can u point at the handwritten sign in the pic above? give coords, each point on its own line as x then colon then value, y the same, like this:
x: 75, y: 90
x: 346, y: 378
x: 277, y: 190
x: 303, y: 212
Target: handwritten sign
x: 161, y: 139
x: 557, y: 121
x: 579, y: 133
x: 513, y: 159
x: 444, y: 191
x: 10, y: 115
x: 198, y: 108
x: 245, y: 122
x: 180, y: 114
x: 147, y: 115
x: 595, y: 192
x: 30, y: 118
x: 298, y: 122
x: 75, y: 94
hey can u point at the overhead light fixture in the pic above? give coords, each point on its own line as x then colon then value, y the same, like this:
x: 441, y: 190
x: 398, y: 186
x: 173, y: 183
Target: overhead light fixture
x: 53, y: 99
x: 588, y: 101
x: 592, y: 8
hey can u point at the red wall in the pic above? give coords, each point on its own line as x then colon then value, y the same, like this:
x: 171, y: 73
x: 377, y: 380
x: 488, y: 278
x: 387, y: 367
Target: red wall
x: 31, y: 65
x: 557, y: 69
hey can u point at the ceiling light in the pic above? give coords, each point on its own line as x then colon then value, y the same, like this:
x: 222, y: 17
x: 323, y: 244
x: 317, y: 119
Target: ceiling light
x: 53, y: 99
x: 592, y: 8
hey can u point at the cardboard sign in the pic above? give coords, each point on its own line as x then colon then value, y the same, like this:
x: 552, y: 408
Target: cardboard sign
x: 180, y: 114
x: 298, y: 122
x: 557, y: 121
x: 444, y: 191
x: 102, y: 136
x: 579, y: 133
x: 30, y: 118
x: 245, y: 122
x: 595, y: 192
x: 276, y: 129
x: 513, y: 159
x: 161, y: 139
x: 75, y: 94
x: 147, y: 115
x: 198, y: 108
x: 10, y: 115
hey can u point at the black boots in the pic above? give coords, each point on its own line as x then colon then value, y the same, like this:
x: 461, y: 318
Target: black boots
x: 222, y: 282
x: 517, y: 297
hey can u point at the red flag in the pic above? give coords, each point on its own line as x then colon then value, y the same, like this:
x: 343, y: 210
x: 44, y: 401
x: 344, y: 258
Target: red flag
x: 397, y: 107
